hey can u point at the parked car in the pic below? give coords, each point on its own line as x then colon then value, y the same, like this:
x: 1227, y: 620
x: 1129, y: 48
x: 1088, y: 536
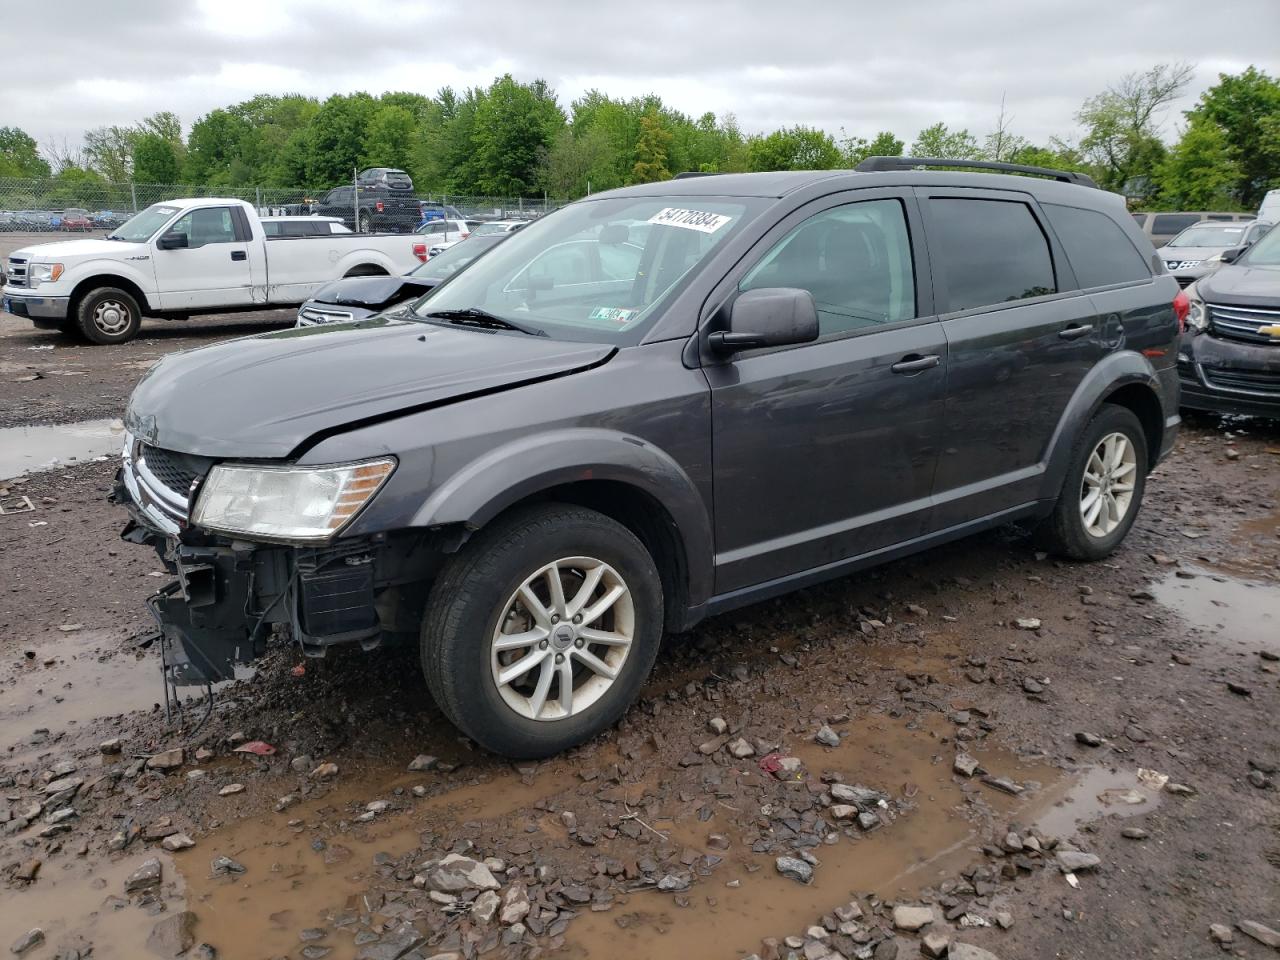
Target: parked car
x: 1160, y: 228
x: 302, y: 226
x: 1229, y: 361
x: 566, y: 450
x: 440, y: 235
x: 1269, y: 211
x: 380, y: 209
x: 183, y: 257
x: 485, y: 228
x: 1198, y: 249
x: 360, y: 297
x: 430, y: 210
x: 77, y: 220
x: 385, y: 178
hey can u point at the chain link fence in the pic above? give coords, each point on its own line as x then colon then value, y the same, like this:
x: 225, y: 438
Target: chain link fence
x: 66, y: 205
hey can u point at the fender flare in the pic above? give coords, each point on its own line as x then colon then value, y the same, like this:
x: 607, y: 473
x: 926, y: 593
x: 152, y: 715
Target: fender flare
x: 529, y: 465
x: 105, y: 273
x: 1113, y: 372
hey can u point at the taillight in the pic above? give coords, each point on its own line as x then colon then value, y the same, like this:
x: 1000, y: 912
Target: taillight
x: 420, y: 251
x: 465, y: 235
x: 378, y: 206
x: 1181, y: 309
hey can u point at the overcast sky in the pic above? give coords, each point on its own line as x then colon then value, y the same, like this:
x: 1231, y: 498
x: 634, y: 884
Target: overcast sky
x: 860, y: 66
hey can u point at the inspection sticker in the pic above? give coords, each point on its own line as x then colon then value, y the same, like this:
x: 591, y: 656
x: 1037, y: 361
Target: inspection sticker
x: 616, y: 315
x: 699, y: 220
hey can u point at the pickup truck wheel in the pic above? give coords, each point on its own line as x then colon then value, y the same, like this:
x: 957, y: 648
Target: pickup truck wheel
x: 1103, y: 489
x: 540, y: 631
x: 108, y: 315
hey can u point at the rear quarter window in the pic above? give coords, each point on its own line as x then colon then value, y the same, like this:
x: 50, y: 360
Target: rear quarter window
x: 1172, y: 223
x: 1098, y: 249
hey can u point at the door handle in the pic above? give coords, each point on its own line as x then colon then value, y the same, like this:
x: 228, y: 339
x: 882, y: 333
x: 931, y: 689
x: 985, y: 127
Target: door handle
x: 239, y: 255
x: 914, y: 363
x: 1076, y: 332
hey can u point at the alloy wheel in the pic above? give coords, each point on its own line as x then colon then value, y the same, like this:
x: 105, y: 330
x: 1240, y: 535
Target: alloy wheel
x: 562, y: 638
x: 1106, y: 492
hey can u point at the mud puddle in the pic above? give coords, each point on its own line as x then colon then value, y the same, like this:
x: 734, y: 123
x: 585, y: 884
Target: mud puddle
x: 1094, y: 793
x: 1240, y: 616
x: 28, y: 449
x: 938, y: 837
x: 79, y: 902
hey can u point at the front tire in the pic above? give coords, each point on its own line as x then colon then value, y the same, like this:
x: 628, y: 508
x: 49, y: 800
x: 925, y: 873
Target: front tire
x: 1103, y: 489
x: 540, y: 632
x: 108, y: 315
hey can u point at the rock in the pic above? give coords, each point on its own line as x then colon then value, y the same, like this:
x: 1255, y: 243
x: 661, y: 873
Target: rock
x: 934, y: 945
x: 173, y: 936
x: 315, y: 951
x: 177, y: 841
x: 717, y: 841
x: 1136, y: 733
x: 515, y: 904
x: 1221, y: 933
x: 392, y: 945
x: 843, y: 811
x: 167, y: 760
x: 1028, y: 623
x: 224, y: 866
x: 1003, y: 784
x: 740, y: 749
x: 1180, y: 789
x: 203, y: 754
x: 827, y: 737
x: 886, y: 950
x: 718, y: 725
x: 816, y: 950
x: 66, y: 783
x: 1032, y: 685
x: 484, y: 907
x: 147, y: 875
x: 1089, y: 739
x: 423, y: 761
x: 1075, y: 861
x: 1263, y: 934
x: 794, y: 869
x: 848, y: 913
x: 456, y: 873
x: 856, y: 794
x: 966, y: 951
x: 27, y: 872
x: 1259, y: 779
x: 1239, y: 689
x: 964, y: 765
x: 326, y: 771
x: 674, y: 883
x: 868, y: 820
x: 911, y: 918
x: 1004, y: 919
x: 231, y: 789
x: 28, y: 941
x: 1134, y: 833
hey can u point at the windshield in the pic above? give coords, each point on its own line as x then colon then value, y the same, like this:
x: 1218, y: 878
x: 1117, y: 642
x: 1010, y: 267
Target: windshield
x: 596, y: 270
x: 141, y: 228
x: 487, y: 229
x: 1264, y: 253
x: 1207, y: 235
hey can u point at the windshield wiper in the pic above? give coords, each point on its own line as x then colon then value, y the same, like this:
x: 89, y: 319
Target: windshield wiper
x: 475, y: 317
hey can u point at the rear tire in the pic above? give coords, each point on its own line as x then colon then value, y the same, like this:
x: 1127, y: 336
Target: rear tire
x: 108, y: 315
x: 364, y: 224
x: 479, y: 628
x: 1102, y: 492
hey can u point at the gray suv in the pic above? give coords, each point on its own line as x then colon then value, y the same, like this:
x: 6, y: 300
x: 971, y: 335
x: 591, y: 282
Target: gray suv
x: 655, y: 405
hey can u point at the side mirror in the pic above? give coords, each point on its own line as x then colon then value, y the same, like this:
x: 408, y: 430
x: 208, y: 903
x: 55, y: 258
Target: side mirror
x: 173, y: 241
x: 768, y: 317
x: 1232, y: 254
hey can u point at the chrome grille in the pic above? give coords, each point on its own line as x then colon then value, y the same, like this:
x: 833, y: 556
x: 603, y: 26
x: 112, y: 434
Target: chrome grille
x: 159, y: 481
x: 177, y: 471
x: 17, y: 273
x: 1243, y: 323
x: 310, y: 316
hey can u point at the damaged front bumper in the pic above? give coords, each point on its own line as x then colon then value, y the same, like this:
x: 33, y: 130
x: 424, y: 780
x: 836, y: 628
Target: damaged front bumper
x: 228, y: 595
x: 1229, y: 376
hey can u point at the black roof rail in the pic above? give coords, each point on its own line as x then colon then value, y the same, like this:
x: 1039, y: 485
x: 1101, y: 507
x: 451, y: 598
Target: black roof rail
x: 880, y: 164
x: 689, y: 174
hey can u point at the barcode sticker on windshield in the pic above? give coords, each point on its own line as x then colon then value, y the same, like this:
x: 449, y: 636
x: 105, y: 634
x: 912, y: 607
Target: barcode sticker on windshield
x: 619, y: 316
x: 699, y: 220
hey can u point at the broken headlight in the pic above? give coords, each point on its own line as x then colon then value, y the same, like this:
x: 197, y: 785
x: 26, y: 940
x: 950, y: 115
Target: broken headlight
x: 287, y: 503
x: 1198, y: 317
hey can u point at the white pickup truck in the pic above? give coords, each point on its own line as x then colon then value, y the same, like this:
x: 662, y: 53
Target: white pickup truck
x: 185, y: 257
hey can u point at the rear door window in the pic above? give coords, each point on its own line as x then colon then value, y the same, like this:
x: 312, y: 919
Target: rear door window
x: 988, y: 252
x: 1168, y: 224
x: 1098, y: 249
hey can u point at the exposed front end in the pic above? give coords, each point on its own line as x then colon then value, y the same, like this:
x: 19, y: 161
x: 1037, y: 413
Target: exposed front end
x: 1229, y: 359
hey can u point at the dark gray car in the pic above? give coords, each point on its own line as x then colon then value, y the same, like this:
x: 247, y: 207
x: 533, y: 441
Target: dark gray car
x: 652, y: 406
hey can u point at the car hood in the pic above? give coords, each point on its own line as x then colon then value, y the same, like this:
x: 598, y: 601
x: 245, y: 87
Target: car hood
x: 1188, y: 253
x: 70, y: 249
x: 371, y: 291
x: 1242, y: 285
x: 266, y: 396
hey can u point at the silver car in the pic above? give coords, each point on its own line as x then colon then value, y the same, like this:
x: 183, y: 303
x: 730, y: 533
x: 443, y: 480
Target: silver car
x: 1198, y: 249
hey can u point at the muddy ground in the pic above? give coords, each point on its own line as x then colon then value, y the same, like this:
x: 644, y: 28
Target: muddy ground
x: 663, y: 838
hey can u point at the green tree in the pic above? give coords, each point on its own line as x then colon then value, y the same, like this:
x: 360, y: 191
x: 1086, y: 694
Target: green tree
x: 155, y: 160
x: 652, y: 147
x: 1246, y: 109
x: 514, y: 125
x: 1200, y: 172
x: 938, y: 141
x: 335, y: 139
x: 389, y: 139
x: 856, y: 149
x: 795, y: 148
x: 109, y: 151
x: 1122, y: 129
x: 19, y: 156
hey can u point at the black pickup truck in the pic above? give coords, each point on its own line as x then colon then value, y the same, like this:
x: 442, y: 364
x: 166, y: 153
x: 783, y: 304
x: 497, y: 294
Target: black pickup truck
x: 382, y: 208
